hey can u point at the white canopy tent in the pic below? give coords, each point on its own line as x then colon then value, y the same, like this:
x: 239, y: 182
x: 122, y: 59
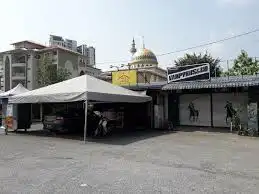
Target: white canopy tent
x: 83, y: 88
x: 19, y: 89
x: 78, y: 89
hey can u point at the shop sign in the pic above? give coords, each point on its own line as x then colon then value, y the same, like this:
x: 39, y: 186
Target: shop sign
x: 189, y: 73
x: 125, y: 77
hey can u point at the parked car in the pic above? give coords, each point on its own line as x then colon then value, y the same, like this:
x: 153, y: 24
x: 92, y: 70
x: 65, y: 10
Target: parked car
x: 71, y: 120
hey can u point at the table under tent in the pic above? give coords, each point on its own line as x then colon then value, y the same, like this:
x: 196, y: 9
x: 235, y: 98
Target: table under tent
x: 15, y: 116
x: 85, y: 89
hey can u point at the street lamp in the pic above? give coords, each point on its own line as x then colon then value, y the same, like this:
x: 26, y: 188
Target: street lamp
x: 124, y: 65
x: 114, y: 66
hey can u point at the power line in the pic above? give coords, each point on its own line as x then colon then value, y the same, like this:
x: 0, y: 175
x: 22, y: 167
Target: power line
x: 211, y: 43
x: 193, y: 47
x: 112, y: 62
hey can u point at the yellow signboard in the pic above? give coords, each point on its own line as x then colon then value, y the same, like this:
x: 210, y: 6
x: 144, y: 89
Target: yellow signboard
x: 125, y: 77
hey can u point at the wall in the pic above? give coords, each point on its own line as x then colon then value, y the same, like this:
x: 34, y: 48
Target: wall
x: 1, y: 73
x: 27, y: 45
x: 92, y: 71
x: 208, y: 114
x: 239, y: 102
x: 32, y: 72
x: 201, y: 107
x: 146, y: 77
x: 253, y: 98
x: 160, y: 109
x: 151, y: 74
x: 173, y: 108
x: 7, y: 82
x: 68, y: 60
x: 91, y: 56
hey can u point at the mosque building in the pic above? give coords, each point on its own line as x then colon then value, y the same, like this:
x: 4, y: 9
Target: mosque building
x: 144, y: 61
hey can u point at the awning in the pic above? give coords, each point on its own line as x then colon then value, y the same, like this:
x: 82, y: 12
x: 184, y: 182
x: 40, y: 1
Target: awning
x: 79, y: 89
x: 221, y: 82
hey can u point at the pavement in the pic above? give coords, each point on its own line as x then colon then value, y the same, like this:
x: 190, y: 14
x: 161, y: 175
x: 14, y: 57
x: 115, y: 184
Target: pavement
x: 143, y: 162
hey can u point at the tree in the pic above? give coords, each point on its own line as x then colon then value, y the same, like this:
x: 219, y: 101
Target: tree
x: 191, y: 59
x: 244, y: 65
x: 49, y: 74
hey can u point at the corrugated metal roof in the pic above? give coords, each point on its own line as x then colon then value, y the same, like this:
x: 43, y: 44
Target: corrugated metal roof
x: 220, y: 82
x: 146, y: 86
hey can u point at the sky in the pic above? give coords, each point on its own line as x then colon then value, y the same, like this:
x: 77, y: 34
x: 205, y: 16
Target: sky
x: 110, y: 25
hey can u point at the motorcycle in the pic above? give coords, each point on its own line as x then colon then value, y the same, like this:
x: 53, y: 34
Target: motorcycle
x: 99, y: 125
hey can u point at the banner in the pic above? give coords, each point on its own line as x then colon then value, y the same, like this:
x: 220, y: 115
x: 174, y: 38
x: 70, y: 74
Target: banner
x: 9, y: 116
x: 189, y: 73
x: 125, y: 77
x: 252, y: 116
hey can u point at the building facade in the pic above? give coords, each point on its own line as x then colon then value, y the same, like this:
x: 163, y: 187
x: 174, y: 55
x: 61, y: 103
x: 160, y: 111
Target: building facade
x: 211, y: 103
x: 91, y: 56
x: 20, y: 65
x: 60, y: 41
x: 144, y: 61
x: 82, y: 49
x: 87, y: 52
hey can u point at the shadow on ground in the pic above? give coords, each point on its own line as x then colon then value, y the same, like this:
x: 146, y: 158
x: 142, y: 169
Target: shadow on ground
x: 203, y: 129
x: 116, y: 138
x: 128, y: 137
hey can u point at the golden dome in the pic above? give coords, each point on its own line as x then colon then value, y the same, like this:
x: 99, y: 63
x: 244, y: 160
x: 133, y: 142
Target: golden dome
x: 144, y: 56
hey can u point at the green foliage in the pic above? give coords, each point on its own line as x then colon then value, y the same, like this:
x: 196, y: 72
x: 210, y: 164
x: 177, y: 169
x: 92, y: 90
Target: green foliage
x: 191, y: 59
x: 244, y: 65
x: 49, y: 74
x: 62, y: 75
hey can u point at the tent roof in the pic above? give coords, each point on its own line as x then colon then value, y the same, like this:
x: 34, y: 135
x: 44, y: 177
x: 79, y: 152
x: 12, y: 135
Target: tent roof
x: 19, y: 89
x: 78, y: 89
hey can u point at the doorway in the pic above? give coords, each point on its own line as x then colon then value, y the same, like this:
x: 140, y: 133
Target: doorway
x: 36, y: 112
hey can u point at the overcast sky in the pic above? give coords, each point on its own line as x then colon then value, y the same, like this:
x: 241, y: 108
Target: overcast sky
x: 109, y: 25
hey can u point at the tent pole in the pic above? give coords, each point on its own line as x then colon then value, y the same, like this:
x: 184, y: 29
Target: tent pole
x: 85, y: 126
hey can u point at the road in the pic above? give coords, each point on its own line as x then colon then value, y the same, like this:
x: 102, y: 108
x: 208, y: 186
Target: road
x: 182, y: 162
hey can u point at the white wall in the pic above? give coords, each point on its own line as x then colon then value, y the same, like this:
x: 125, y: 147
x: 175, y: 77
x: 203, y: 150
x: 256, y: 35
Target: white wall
x: 92, y: 71
x: 202, y: 105
x: 91, y: 56
x: 239, y: 102
x: 32, y: 72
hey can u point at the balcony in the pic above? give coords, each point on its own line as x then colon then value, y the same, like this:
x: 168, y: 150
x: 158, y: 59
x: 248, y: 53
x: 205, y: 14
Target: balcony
x: 18, y: 64
x: 18, y: 76
x: 54, y: 59
x: 82, y: 63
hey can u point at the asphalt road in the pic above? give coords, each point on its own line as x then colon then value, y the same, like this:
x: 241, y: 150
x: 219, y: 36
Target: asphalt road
x: 183, y: 162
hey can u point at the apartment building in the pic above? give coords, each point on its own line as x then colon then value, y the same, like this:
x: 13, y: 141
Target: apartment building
x: 88, y: 52
x: 20, y: 65
x: 82, y: 49
x: 60, y: 41
x: 91, y: 56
